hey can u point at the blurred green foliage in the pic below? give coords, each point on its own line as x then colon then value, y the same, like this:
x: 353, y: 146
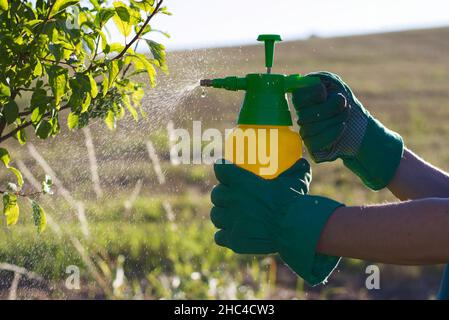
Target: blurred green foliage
x: 57, y: 53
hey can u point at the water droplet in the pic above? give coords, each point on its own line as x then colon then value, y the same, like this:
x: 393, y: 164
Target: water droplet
x: 203, y: 93
x: 317, y: 114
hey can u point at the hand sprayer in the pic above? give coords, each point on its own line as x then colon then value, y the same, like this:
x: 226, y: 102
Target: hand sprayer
x: 263, y: 141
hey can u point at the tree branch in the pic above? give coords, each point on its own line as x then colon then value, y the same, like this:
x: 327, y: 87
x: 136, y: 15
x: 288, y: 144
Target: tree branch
x: 137, y: 36
x: 60, y: 62
x: 20, y: 194
x: 25, y: 113
x: 26, y: 124
x: 129, y: 64
x: 2, y: 125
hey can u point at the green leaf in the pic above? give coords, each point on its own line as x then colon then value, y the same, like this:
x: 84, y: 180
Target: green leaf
x: 18, y: 175
x: 103, y: 16
x: 119, y: 113
x: 39, y: 216
x: 137, y: 95
x: 55, y: 128
x: 149, y: 67
x: 44, y: 129
x: 86, y: 103
x: 56, y: 50
x: 37, y: 69
x: 131, y: 109
x: 144, y: 31
x: 158, y: 52
x: 122, y: 18
x: 95, y: 4
x: 116, y: 47
x: 39, y: 99
x: 54, y: 122
x: 4, y: 5
x: 21, y: 136
x: 122, y: 11
x: 37, y: 114
x: 93, y: 86
x: 58, y: 81
x: 11, y: 112
x: 164, y: 11
x: 72, y: 120
x: 4, y: 90
x: 10, y: 208
x: 47, y: 184
x: 31, y: 23
x: 5, y: 157
x: 145, y: 5
x: 113, y: 72
x: 61, y: 5
x: 105, y: 85
x: 110, y: 120
x: 82, y: 85
x: 90, y: 42
x: 104, y: 42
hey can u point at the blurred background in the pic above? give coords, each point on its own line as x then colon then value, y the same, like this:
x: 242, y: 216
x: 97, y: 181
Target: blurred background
x: 137, y: 226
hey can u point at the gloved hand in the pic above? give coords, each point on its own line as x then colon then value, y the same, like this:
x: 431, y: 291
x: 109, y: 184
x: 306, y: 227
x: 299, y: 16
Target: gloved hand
x: 334, y: 124
x: 259, y: 216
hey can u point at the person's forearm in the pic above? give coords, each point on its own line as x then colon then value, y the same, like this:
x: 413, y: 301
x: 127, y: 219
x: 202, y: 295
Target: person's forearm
x: 410, y: 233
x: 417, y: 179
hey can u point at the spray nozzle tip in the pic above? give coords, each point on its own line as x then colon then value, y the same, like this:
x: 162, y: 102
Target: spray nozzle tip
x: 206, y: 83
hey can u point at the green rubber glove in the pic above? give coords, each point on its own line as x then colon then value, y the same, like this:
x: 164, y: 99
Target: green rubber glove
x: 334, y: 124
x: 258, y: 216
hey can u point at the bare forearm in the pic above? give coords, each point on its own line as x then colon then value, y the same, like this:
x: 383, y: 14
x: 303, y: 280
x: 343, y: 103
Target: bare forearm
x: 417, y: 179
x: 410, y: 233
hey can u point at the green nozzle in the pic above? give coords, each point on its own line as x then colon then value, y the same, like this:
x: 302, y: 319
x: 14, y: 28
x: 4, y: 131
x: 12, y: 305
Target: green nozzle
x: 228, y: 83
x: 265, y: 100
x: 269, y: 40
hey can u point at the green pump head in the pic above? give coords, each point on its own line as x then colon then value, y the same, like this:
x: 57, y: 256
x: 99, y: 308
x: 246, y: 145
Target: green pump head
x: 269, y: 40
x: 265, y: 100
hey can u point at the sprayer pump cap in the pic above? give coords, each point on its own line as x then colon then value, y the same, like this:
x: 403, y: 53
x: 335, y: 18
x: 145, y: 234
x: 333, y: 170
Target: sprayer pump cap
x: 269, y: 40
x: 272, y: 37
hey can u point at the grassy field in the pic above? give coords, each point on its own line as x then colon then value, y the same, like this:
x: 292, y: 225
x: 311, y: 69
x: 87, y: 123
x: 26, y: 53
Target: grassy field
x: 159, y: 234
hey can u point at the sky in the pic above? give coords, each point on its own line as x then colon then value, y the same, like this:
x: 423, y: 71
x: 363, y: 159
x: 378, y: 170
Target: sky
x: 211, y: 23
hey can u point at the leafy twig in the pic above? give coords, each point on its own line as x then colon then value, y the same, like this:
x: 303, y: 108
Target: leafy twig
x: 25, y: 195
x: 137, y: 36
x: 25, y: 89
x: 60, y: 62
x: 26, y: 124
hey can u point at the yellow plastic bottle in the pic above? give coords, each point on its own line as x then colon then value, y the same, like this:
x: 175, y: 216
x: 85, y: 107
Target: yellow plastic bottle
x: 267, y: 151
